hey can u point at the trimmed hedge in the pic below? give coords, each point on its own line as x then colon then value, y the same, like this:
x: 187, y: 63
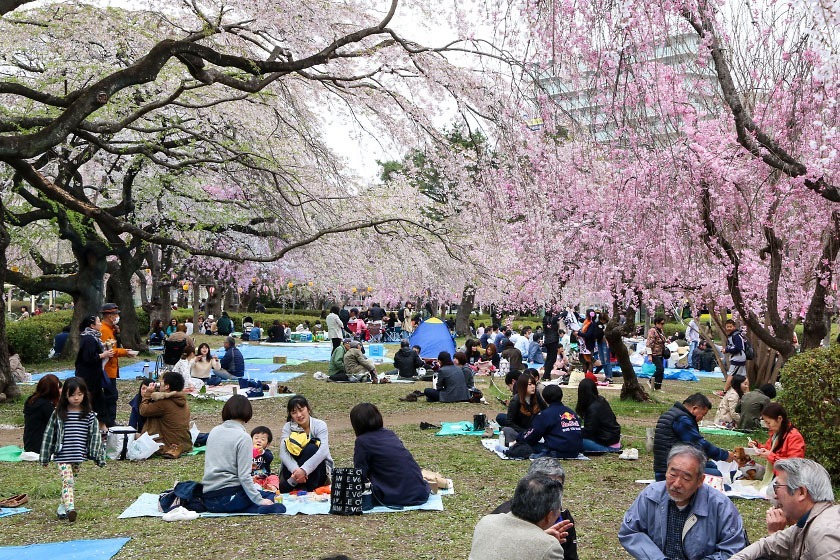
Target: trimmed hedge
x: 32, y: 338
x: 811, y: 397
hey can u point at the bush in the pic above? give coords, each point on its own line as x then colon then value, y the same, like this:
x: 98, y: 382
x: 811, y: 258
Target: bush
x: 811, y: 397
x: 32, y: 338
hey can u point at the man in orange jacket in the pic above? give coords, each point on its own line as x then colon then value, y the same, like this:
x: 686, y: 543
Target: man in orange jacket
x: 110, y: 319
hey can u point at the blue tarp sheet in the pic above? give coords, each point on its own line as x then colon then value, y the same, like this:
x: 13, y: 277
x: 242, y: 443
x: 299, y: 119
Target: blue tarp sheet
x: 99, y: 549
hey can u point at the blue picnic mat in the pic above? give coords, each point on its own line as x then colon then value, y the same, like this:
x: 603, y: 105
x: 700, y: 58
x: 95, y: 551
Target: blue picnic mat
x: 307, y: 352
x: 6, y: 512
x: 147, y: 506
x: 97, y: 549
x: 670, y: 373
x: 464, y: 428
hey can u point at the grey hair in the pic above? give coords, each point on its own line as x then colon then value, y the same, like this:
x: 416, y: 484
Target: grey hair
x: 536, y: 496
x: 548, y: 466
x: 231, y: 341
x: 808, y: 474
x: 694, y: 452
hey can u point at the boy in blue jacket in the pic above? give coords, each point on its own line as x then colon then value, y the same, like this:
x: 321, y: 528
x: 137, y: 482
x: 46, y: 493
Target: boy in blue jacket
x: 557, y: 425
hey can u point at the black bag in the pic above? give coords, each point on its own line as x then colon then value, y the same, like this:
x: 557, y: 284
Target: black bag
x: 475, y: 397
x: 348, y: 485
x: 749, y: 351
x: 666, y: 353
x: 479, y: 422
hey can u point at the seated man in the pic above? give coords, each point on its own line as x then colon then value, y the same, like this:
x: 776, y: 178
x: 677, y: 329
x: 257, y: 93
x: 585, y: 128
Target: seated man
x: 233, y: 362
x: 167, y: 414
x: 552, y: 468
x: 804, y: 499
x: 255, y: 334
x: 276, y: 333
x: 336, y: 369
x: 751, y: 405
x: 679, y: 424
x: 529, y: 530
x: 356, y: 366
x: 681, y: 517
x: 406, y: 361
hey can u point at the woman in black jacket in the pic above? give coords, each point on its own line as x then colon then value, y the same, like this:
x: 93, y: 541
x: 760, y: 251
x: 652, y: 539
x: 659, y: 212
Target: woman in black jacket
x: 523, y: 406
x: 37, y: 411
x: 601, y: 431
x: 89, y: 364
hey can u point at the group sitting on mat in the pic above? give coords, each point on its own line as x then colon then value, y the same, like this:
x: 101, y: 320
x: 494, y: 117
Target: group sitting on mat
x: 533, y: 416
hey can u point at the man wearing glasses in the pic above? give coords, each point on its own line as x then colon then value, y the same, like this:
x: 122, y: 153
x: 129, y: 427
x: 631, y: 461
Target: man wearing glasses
x: 804, y: 500
x: 681, y: 518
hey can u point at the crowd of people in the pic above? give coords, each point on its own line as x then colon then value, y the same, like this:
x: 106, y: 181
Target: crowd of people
x: 678, y: 516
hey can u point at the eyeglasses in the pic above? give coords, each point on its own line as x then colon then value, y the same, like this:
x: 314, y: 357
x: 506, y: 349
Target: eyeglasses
x: 776, y: 487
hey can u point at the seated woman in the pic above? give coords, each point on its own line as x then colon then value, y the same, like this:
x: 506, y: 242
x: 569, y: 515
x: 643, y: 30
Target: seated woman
x: 228, y: 485
x: 304, y: 449
x: 490, y: 355
x: 16, y: 368
x: 395, y: 477
x: 451, y: 383
x: 535, y: 353
x: 558, y: 426
x: 167, y: 413
x: 514, y: 358
x: 135, y: 419
x: 601, y: 431
x: 523, y: 407
x: 37, y: 411
x: 157, y: 335
x: 172, y: 327
x: 785, y: 441
x: 726, y: 412
x: 184, y: 367
x: 204, y: 363
x: 472, y: 351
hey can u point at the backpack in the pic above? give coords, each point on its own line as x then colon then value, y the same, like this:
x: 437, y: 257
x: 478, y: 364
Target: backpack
x: 749, y: 351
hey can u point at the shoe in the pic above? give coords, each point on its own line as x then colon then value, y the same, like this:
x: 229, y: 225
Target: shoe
x: 180, y: 513
x: 173, y: 451
x: 284, y: 389
x: 501, y: 449
x: 411, y: 397
x: 384, y: 380
x: 428, y: 426
x: 650, y: 382
x: 14, y: 501
x: 61, y: 512
x: 488, y: 432
x: 417, y: 393
x: 71, y: 515
x: 630, y: 454
x: 374, y: 378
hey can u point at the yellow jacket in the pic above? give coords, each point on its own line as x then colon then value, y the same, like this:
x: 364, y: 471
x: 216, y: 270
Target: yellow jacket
x: 112, y: 366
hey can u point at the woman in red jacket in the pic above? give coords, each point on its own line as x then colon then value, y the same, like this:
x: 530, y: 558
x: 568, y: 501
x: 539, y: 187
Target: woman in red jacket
x: 785, y: 441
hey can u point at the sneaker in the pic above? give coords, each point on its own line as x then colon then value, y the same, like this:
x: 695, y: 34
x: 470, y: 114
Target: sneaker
x: 630, y: 454
x: 61, y: 512
x: 71, y: 515
x: 428, y: 426
x: 180, y: 514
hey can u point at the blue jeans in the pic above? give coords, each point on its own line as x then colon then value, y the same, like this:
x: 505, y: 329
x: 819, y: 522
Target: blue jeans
x: 591, y: 446
x: 692, y: 346
x: 604, y: 356
x: 239, y: 502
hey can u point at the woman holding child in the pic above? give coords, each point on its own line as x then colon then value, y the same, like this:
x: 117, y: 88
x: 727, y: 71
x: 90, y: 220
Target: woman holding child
x: 304, y: 449
x: 228, y: 483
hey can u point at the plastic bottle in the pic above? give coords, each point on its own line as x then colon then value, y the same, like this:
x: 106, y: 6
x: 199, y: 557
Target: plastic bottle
x: 272, y: 388
x: 278, y: 498
x: 146, y: 368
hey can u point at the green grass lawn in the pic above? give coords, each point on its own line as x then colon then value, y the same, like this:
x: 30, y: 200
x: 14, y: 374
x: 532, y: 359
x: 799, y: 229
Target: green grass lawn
x: 597, y: 491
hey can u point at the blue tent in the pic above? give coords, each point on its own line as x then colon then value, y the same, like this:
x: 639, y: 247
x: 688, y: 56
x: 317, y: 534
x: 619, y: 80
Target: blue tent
x: 432, y: 336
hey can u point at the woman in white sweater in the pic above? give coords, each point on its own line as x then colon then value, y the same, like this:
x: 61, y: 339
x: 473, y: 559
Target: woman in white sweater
x: 304, y: 449
x: 726, y: 415
x: 228, y: 484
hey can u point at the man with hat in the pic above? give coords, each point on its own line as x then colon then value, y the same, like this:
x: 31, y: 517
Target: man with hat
x: 110, y: 319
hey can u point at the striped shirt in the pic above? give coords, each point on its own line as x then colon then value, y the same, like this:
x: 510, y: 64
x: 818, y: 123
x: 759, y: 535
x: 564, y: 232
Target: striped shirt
x: 74, y: 445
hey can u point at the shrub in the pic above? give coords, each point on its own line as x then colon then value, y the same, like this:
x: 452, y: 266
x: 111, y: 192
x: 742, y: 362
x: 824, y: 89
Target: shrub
x: 32, y: 338
x: 811, y: 397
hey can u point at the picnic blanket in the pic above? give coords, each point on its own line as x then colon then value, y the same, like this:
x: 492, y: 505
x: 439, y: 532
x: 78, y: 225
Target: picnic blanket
x: 720, y: 431
x: 460, y: 429
x: 6, y: 512
x: 670, y: 373
x: 225, y: 391
x: 94, y: 549
x: 147, y: 506
x: 490, y: 445
x: 10, y: 454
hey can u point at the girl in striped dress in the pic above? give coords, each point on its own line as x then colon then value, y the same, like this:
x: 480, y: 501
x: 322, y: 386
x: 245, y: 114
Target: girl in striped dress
x: 71, y: 437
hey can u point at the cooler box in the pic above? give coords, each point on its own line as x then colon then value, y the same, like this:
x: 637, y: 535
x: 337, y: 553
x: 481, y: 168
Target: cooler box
x: 306, y: 337
x: 376, y: 350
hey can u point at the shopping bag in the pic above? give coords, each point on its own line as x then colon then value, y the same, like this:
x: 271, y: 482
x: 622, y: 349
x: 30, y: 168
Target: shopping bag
x: 143, y: 447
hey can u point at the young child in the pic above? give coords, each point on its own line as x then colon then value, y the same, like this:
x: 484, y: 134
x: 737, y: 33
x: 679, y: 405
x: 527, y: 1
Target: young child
x: 71, y: 437
x: 261, y: 468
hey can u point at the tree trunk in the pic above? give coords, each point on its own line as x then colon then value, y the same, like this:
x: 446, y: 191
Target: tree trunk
x: 631, y: 389
x: 8, y: 387
x: 118, y: 290
x: 462, y: 318
x: 814, y: 327
x: 766, y: 365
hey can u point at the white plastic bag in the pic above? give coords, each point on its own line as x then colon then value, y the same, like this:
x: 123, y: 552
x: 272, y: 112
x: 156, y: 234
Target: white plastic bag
x: 193, y: 431
x: 114, y: 441
x: 143, y: 447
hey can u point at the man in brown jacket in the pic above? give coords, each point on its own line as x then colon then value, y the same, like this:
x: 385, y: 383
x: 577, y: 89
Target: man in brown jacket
x: 804, y: 500
x: 167, y: 414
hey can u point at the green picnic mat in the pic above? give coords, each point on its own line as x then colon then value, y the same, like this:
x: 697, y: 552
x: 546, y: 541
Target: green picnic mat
x: 721, y: 431
x: 459, y: 429
x: 10, y: 454
x: 197, y: 450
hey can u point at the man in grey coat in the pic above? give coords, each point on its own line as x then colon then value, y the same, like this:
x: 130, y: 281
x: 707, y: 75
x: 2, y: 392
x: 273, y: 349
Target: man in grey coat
x: 529, y: 530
